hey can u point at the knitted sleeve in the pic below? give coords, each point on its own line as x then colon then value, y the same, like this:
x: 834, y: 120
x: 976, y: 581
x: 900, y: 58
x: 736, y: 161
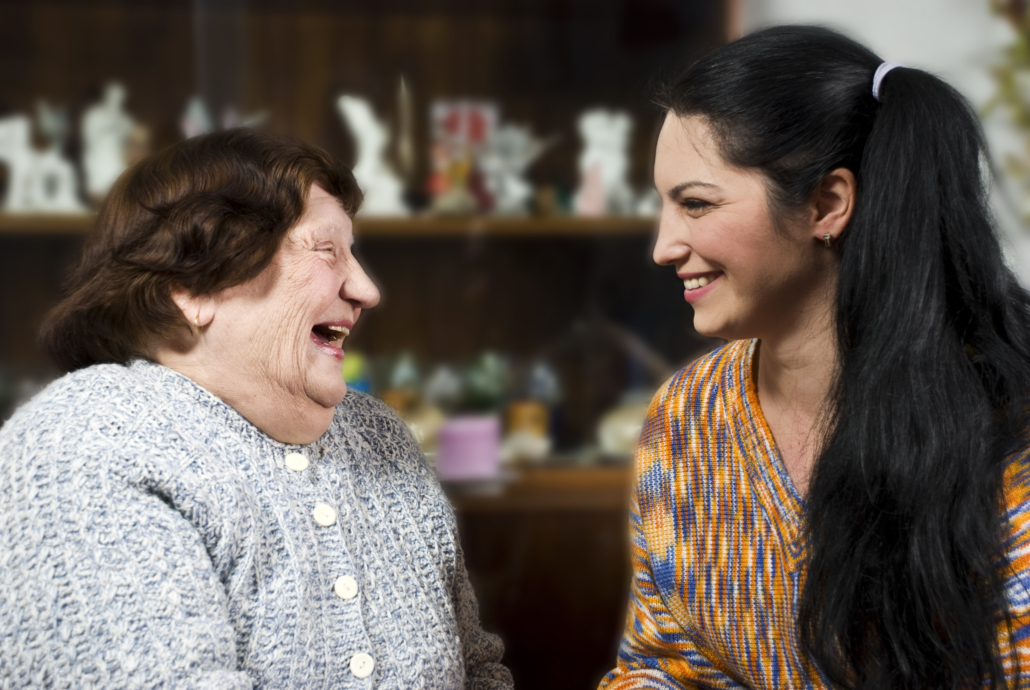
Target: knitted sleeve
x: 656, y: 653
x: 102, y: 583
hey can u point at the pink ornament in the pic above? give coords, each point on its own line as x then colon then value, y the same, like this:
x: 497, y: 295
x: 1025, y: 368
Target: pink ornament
x: 468, y: 448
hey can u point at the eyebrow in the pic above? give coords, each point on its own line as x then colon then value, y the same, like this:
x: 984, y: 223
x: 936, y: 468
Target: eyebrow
x: 334, y: 229
x: 684, y: 186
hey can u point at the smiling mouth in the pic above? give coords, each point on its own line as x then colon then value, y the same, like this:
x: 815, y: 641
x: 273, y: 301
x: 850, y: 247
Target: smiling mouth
x: 699, y: 281
x: 330, y: 335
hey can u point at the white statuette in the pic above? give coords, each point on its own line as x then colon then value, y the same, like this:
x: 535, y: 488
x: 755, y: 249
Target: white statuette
x: 346, y: 587
x: 296, y: 462
x: 362, y: 665
x: 382, y: 188
x: 324, y: 514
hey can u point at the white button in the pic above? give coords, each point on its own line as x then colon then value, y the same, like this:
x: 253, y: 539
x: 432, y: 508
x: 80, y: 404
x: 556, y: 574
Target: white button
x: 346, y: 587
x: 362, y: 665
x: 296, y: 462
x: 324, y: 515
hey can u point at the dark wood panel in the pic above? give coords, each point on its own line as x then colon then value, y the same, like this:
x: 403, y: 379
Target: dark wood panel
x: 549, y: 561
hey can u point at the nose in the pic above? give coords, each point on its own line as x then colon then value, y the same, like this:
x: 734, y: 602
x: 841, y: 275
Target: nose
x: 359, y: 288
x: 671, y: 246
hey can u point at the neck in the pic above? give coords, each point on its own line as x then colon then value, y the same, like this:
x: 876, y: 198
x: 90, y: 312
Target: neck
x: 793, y: 371
x: 280, y: 414
x: 796, y: 370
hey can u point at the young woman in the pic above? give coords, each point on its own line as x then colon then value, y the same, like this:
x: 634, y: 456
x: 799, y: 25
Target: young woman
x: 840, y: 496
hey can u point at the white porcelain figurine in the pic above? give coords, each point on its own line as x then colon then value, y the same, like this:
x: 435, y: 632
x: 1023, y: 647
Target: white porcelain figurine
x: 604, y: 164
x: 382, y: 188
x: 195, y: 119
x: 105, y: 133
x: 509, y: 153
x: 36, y: 182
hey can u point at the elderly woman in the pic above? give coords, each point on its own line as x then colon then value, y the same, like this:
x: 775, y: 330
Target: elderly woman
x: 200, y: 502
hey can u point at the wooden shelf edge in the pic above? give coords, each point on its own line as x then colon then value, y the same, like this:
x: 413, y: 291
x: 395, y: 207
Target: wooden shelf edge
x: 33, y: 224
x: 407, y: 228
x: 474, y: 226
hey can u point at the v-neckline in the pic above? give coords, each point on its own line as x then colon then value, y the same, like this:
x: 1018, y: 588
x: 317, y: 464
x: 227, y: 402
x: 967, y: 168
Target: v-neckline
x: 762, y: 457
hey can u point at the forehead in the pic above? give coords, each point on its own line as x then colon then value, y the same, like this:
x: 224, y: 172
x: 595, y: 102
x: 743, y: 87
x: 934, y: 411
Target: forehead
x: 687, y: 148
x: 688, y: 152
x: 323, y: 219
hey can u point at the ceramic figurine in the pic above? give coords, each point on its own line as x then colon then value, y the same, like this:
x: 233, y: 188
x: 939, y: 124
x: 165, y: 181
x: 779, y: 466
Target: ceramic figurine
x: 37, y: 182
x: 462, y: 133
x: 383, y: 190
x: 604, y: 164
x: 504, y: 162
x: 53, y: 124
x: 106, y: 128
x: 196, y: 120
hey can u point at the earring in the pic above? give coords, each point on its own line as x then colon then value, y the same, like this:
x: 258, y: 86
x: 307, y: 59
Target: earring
x: 828, y: 239
x: 196, y: 322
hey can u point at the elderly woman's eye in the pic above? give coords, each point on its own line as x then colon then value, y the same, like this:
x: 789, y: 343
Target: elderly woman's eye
x: 695, y: 204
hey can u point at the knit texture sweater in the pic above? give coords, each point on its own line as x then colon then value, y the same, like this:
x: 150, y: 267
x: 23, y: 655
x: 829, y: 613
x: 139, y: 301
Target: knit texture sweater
x: 718, y: 547
x: 150, y: 536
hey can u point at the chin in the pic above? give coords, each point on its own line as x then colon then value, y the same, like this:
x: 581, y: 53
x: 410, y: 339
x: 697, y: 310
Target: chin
x: 329, y: 395
x: 721, y: 329
x: 325, y: 387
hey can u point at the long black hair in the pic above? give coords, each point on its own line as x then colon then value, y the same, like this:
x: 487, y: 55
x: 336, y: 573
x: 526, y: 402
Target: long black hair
x: 905, y: 517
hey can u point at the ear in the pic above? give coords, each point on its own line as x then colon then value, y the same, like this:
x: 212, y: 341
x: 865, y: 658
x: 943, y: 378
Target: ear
x: 833, y: 202
x: 198, y: 311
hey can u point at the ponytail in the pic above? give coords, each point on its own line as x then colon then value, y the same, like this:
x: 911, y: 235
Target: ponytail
x: 905, y: 583
x: 904, y: 510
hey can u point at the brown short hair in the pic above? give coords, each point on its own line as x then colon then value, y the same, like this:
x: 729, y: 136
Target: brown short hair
x: 202, y: 215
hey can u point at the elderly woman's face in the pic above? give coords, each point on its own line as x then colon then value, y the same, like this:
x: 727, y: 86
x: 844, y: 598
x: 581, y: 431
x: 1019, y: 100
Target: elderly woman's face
x: 286, y: 328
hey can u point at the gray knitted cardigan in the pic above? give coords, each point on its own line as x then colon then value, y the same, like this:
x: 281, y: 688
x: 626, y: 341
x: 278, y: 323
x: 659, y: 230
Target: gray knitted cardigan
x: 150, y: 536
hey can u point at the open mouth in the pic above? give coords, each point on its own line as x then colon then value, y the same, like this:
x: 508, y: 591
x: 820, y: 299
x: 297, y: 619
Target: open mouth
x: 326, y: 334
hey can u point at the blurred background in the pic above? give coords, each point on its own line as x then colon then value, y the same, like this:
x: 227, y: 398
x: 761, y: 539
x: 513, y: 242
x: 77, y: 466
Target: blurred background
x: 505, y: 149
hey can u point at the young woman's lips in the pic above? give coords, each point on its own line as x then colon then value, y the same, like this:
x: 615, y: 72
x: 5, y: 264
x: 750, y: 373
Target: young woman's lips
x: 693, y: 294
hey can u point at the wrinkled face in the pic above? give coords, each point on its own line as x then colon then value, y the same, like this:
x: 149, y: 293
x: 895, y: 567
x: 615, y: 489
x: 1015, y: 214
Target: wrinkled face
x: 285, y: 329
x: 743, y: 278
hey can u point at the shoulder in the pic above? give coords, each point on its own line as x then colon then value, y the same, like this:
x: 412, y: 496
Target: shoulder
x: 74, y: 408
x: 372, y: 419
x: 698, y: 385
x: 689, y: 410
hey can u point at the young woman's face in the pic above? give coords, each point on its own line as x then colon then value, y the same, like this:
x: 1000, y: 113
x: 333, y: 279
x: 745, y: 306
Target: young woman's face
x: 743, y: 276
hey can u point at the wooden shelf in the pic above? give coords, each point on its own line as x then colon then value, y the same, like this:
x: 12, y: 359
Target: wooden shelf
x: 421, y: 227
x: 434, y: 226
x: 547, y: 489
x: 32, y: 224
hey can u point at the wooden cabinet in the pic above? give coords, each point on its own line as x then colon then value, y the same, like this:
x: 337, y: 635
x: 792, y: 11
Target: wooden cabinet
x: 547, y: 555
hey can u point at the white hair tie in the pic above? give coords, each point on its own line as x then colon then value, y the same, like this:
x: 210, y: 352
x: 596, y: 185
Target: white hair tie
x: 881, y: 72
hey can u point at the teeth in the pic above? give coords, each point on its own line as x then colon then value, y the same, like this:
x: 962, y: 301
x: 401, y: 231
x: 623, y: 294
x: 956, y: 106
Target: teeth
x: 340, y: 329
x: 695, y: 283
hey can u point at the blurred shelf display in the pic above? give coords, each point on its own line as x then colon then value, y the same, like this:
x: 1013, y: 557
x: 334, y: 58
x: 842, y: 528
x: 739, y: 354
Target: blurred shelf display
x: 419, y: 227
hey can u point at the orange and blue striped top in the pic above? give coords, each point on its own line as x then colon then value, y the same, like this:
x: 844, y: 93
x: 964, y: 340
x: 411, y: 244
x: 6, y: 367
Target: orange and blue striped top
x: 717, y: 543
